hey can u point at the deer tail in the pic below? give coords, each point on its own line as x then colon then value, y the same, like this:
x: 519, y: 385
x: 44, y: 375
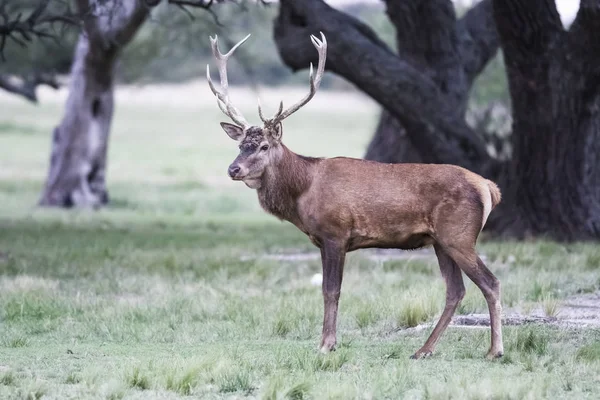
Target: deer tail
x: 494, y: 193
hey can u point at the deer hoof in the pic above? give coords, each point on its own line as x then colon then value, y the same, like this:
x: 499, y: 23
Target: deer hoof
x: 421, y: 354
x: 494, y: 354
x: 327, y: 347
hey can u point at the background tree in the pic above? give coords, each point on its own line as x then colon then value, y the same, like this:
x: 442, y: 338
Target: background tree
x: 76, y: 173
x: 451, y: 52
x: 77, y: 170
x: 551, y: 183
x: 554, y: 84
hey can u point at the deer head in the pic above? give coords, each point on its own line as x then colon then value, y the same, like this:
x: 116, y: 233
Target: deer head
x: 259, y: 146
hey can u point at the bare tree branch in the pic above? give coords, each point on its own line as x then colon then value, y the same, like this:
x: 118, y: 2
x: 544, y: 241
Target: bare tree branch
x: 27, y: 86
x: 206, y: 5
x: 203, y: 4
x: 403, y: 89
x: 111, y: 23
x: 40, y: 23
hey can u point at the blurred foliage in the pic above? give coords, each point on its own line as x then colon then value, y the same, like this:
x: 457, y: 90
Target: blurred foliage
x: 173, y: 46
x: 374, y: 15
x: 26, y: 54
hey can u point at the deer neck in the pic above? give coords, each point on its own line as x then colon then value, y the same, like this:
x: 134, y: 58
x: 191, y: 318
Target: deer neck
x: 283, y: 182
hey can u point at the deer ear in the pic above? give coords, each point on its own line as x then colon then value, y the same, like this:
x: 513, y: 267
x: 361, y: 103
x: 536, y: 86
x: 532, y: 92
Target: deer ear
x: 278, y: 131
x: 233, y: 131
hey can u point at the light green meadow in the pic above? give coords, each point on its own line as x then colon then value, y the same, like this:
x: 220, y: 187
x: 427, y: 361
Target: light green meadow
x: 184, y: 287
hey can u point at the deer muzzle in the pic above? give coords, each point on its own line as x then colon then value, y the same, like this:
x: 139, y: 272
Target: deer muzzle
x: 235, y: 172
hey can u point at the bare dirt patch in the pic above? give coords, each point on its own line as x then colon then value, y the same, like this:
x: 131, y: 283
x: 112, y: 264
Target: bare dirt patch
x: 580, y: 311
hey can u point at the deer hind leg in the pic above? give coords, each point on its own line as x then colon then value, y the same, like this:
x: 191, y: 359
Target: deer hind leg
x: 455, y: 291
x: 332, y: 257
x: 489, y: 285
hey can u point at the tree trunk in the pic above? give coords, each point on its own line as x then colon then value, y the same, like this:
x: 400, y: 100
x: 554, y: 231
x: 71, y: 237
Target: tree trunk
x: 390, y: 143
x: 77, y: 171
x: 452, y: 52
x: 78, y: 160
x: 551, y: 186
x: 554, y: 82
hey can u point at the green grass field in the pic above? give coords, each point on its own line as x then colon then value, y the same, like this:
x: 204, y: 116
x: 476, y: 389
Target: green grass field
x: 185, y: 287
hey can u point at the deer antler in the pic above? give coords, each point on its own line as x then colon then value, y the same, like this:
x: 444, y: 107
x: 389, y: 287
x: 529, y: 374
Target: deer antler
x: 223, y: 96
x: 315, y: 81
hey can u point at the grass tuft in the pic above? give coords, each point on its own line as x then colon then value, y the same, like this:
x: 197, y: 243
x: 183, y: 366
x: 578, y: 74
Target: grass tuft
x: 393, y: 354
x: 332, y: 361
x: 589, y: 352
x: 234, y: 381
x: 541, y: 290
x: 276, y: 389
x: 8, y: 379
x: 415, y: 310
x: 593, y: 260
x: 116, y: 394
x: 17, y: 342
x: 273, y: 388
x: 533, y: 340
x: 35, y: 392
x: 365, y: 316
x: 72, y: 379
x: 298, y: 391
x: 184, y: 383
x: 137, y: 380
x: 550, y: 306
x: 283, y: 325
x: 32, y: 307
x: 507, y: 359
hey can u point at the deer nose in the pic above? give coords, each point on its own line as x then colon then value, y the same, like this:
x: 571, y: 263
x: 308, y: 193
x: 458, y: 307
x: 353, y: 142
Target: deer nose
x: 233, y: 170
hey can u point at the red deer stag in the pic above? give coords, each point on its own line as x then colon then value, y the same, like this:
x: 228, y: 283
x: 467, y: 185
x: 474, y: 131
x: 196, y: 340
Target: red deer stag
x: 344, y: 204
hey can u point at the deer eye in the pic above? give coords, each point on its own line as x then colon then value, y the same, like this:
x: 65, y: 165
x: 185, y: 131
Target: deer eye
x: 265, y: 147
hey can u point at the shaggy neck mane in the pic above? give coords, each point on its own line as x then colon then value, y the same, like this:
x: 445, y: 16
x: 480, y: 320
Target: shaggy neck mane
x: 284, y: 182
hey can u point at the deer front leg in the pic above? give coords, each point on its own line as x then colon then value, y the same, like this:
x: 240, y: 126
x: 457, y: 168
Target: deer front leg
x: 332, y: 257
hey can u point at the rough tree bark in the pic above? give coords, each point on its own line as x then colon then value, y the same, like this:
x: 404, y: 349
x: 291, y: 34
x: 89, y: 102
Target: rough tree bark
x: 551, y: 186
x: 452, y: 52
x: 77, y: 170
x: 554, y: 82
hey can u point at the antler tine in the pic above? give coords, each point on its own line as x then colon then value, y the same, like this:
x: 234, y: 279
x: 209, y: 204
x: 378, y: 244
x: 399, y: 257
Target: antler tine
x: 315, y: 81
x: 223, y: 100
x: 261, y: 115
x: 260, y: 112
